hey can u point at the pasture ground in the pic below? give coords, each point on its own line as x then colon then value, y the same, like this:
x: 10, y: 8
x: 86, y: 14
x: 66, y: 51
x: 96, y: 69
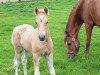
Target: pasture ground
x: 13, y: 14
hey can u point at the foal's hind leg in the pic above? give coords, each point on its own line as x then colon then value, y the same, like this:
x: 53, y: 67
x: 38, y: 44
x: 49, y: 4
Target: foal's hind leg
x: 16, y: 59
x: 24, y: 62
x: 49, y: 58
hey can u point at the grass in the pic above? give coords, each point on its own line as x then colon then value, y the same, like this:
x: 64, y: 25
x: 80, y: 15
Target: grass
x: 13, y: 14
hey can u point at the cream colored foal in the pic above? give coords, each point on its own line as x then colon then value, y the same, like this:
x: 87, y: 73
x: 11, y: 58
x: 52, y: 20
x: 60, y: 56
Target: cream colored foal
x: 37, y: 41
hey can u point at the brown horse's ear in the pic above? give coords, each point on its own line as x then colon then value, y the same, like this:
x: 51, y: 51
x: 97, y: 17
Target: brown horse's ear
x: 46, y: 10
x: 66, y: 33
x: 36, y: 10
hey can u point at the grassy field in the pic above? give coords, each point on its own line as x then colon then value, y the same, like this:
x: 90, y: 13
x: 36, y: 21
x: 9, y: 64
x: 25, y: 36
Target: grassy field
x: 13, y: 14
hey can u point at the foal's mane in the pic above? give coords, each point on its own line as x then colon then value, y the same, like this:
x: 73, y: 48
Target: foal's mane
x: 74, y: 15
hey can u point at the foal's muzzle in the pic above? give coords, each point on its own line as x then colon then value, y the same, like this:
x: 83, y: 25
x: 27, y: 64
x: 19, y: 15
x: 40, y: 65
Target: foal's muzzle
x: 42, y: 37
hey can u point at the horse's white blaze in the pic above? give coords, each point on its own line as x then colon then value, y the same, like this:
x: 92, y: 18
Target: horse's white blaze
x: 42, y: 33
x: 41, y: 18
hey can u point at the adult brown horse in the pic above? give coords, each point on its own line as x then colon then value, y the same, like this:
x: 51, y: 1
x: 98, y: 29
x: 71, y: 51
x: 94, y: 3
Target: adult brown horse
x: 85, y: 11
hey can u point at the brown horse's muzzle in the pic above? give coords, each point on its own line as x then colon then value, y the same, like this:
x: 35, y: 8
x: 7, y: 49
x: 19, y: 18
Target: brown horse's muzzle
x: 73, y: 54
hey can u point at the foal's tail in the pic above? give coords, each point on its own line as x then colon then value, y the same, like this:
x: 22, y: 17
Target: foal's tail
x: 15, y: 39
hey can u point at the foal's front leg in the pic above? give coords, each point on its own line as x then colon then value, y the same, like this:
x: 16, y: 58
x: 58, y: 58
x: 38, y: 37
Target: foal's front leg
x: 36, y: 59
x: 50, y: 63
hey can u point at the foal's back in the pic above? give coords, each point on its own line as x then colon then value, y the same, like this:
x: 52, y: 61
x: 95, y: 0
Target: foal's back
x: 22, y: 36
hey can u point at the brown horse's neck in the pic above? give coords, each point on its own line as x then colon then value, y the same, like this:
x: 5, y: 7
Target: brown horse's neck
x: 74, y: 28
x: 75, y: 19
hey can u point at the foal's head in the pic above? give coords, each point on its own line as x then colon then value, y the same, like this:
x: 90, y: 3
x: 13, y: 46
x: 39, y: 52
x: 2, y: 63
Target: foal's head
x: 42, y: 21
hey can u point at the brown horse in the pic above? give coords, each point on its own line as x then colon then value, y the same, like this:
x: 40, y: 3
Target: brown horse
x: 85, y: 11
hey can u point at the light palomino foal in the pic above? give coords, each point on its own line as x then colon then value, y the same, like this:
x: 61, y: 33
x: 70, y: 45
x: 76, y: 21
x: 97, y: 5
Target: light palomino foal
x: 37, y: 41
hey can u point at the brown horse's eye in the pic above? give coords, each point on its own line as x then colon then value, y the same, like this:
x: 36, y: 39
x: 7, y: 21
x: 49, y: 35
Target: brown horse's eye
x: 47, y: 22
x: 69, y: 44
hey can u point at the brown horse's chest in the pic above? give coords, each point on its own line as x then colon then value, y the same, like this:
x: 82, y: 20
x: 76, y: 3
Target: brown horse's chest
x: 94, y: 12
x: 91, y: 12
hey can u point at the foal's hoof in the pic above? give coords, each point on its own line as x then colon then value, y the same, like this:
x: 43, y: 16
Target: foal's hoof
x: 37, y: 74
x: 53, y: 74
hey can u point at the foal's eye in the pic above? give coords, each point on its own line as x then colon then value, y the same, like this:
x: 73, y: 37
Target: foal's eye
x: 47, y: 22
x: 36, y: 22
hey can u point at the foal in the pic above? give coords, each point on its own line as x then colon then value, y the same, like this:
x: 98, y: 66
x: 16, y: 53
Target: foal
x: 37, y: 41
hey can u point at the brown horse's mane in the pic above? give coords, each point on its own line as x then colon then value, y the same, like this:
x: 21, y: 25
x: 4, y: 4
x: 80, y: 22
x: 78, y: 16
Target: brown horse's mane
x: 74, y: 15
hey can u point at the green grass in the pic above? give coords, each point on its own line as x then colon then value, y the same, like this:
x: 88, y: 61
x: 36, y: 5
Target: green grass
x: 13, y: 14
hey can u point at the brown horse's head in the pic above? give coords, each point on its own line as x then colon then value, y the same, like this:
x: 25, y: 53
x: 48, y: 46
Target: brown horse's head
x: 72, y: 44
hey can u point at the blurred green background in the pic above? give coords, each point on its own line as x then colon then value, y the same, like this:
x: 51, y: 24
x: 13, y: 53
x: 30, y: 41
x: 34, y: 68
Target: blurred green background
x: 14, y: 14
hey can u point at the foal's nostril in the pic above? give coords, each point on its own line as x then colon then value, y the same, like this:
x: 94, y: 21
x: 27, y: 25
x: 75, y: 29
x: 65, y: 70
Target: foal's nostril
x: 42, y: 37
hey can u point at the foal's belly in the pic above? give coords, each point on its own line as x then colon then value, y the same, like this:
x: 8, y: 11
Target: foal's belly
x: 26, y: 45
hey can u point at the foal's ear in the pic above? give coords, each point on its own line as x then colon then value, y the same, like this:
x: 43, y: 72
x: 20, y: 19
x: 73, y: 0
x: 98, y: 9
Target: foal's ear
x: 36, y: 10
x: 46, y: 10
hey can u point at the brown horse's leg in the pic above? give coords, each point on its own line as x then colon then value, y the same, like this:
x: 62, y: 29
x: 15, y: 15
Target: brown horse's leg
x: 88, y: 38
